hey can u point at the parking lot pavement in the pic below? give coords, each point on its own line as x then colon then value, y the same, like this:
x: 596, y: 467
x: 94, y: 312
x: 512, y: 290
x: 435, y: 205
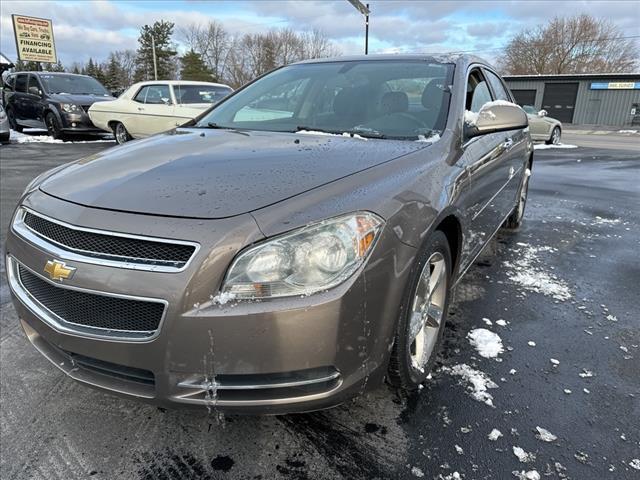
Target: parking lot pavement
x: 562, y: 294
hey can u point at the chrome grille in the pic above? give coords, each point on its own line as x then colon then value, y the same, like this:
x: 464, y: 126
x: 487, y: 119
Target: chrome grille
x: 93, y: 311
x: 110, y: 246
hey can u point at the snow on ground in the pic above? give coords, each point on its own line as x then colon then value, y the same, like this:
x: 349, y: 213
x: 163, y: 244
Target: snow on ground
x: 605, y: 221
x: 544, y: 146
x: 416, y: 472
x: 501, y: 322
x: 478, y: 382
x: 527, y: 271
x: 530, y: 475
x: 487, y: 343
x: 494, y: 435
x: 545, y: 435
x: 628, y: 131
x: 523, y: 456
x: 635, y: 463
x: 24, y: 137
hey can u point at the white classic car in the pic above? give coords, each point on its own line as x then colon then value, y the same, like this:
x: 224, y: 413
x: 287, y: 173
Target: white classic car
x: 541, y: 127
x: 152, y: 107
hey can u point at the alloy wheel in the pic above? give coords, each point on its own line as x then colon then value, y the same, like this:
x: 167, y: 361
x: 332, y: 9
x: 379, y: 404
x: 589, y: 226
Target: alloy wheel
x: 427, y: 310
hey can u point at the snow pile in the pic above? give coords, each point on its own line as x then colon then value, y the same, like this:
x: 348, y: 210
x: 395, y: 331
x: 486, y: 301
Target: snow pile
x: 487, y: 343
x: 478, y: 382
x: 494, y: 435
x: 530, y: 475
x: 523, y: 456
x: 17, y: 137
x: 635, y: 463
x: 501, y: 322
x: 527, y: 272
x: 586, y: 373
x: 544, y: 146
x: 627, y: 131
x: 470, y: 118
x: 545, y: 435
x: 605, y: 221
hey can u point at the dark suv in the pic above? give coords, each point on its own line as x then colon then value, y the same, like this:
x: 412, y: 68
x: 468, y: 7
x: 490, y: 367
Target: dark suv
x: 55, y: 101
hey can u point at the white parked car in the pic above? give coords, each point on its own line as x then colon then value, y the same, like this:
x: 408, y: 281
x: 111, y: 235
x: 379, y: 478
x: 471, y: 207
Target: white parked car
x: 147, y: 108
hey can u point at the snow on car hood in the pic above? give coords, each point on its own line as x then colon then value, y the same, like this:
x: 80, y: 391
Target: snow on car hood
x: 201, y: 173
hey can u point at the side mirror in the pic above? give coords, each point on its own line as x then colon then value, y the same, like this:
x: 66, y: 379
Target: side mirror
x: 494, y: 118
x: 542, y: 113
x: 35, y: 91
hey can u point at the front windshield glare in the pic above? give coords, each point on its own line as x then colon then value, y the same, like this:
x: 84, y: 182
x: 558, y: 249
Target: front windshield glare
x: 380, y: 99
x: 73, y: 84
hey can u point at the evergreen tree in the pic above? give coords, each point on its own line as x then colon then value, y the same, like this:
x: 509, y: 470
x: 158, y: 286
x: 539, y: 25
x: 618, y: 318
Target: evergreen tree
x: 114, y: 74
x: 56, y: 67
x: 193, y: 68
x: 22, y: 66
x: 161, y: 32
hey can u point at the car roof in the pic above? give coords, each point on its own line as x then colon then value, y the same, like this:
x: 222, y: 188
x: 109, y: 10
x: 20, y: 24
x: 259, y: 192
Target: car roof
x: 52, y: 73
x: 179, y: 82
x: 457, y: 58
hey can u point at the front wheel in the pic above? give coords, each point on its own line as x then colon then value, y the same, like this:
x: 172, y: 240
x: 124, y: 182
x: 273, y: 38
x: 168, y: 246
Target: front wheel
x: 12, y: 121
x: 120, y: 132
x: 422, y: 315
x: 53, y: 126
x: 554, y: 139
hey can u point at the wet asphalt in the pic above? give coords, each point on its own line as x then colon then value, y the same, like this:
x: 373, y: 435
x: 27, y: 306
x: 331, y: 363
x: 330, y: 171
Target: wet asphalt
x: 581, y: 233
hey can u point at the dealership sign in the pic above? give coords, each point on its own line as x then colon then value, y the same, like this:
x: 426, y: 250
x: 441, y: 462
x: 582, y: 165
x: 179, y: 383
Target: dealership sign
x: 34, y: 39
x: 615, y: 86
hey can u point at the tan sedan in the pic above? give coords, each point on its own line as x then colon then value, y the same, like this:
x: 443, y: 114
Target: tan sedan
x: 543, y: 128
x: 147, y: 108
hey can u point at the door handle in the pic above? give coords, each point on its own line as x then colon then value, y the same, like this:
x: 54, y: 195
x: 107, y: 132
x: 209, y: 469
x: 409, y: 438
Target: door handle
x: 140, y: 109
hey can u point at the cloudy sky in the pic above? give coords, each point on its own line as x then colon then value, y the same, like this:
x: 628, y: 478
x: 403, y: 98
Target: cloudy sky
x: 87, y: 28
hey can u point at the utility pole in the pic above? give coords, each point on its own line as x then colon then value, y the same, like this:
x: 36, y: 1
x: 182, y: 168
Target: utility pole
x: 363, y: 9
x: 155, y: 65
x: 366, y: 32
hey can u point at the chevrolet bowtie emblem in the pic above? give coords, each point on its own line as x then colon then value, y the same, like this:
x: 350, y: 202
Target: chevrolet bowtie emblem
x: 58, y: 270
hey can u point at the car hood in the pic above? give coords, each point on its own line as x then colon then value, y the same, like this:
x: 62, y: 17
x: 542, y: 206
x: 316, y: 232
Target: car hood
x: 79, y: 99
x: 211, y: 174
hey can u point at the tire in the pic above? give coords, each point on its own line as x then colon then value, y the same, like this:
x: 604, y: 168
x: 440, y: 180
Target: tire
x: 53, y: 126
x: 554, y: 139
x: 514, y: 221
x: 120, y: 132
x: 12, y: 121
x: 414, y: 354
x: 4, y: 137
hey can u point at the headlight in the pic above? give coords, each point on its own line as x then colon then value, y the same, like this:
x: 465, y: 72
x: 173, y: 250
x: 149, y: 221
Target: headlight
x: 70, y: 107
x: 310, y: 259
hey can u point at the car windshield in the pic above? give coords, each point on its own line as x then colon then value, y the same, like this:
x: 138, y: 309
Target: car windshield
x: 530, y: 109
x: 400, y: 99
x: 200, y: 93
x: 73, y: 84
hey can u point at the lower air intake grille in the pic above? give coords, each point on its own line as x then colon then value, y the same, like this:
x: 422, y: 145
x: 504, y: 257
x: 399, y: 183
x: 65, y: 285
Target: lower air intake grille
x: 93, y: 310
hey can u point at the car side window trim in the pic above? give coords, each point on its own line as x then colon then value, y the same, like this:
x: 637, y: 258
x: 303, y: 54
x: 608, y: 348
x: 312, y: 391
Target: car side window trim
x: 470, y: 69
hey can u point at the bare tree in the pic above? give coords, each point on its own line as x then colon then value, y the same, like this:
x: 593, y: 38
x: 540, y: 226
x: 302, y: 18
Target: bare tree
x: 578, y: 44
x: 127, y: 61
x: 213, y: 44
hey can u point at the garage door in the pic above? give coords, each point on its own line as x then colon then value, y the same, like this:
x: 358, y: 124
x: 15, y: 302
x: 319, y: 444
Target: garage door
x: 525, y: 97
x: 559, y: 100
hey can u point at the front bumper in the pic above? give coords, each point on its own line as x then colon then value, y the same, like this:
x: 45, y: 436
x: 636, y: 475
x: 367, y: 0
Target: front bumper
x: 78, y: 123
x: 276, y: 356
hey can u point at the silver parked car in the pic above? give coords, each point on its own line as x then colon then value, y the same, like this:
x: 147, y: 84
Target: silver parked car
x: 287, y: 250
x: 543, y: 128
x: 5, y: 129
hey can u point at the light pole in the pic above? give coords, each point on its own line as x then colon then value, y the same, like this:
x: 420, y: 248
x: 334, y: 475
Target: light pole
x: 363, y: 9
x: 155, y: 65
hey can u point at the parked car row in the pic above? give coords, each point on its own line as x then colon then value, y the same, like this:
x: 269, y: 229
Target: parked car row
x: 66, y: 103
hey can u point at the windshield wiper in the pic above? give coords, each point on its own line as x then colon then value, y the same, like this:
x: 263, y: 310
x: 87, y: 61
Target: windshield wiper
x: 215, y: 125
x: 301, y: 128
x: 366, y: 133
